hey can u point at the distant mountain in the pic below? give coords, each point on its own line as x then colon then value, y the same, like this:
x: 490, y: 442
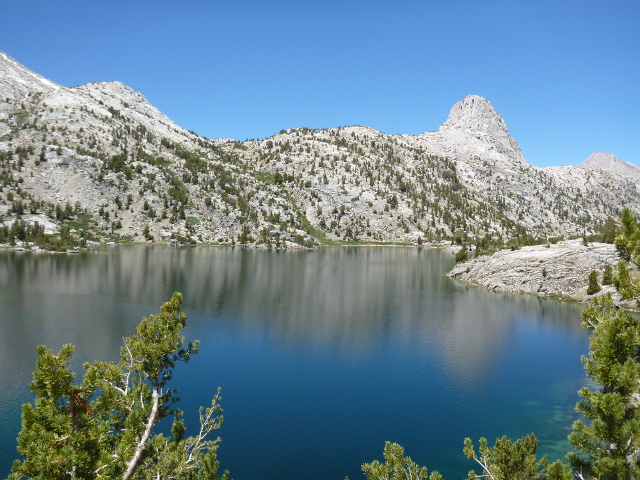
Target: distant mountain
x: 611, y: 163
x: 99, y: 162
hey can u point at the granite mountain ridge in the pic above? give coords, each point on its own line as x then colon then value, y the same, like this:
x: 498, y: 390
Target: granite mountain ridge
x: 99, y: 162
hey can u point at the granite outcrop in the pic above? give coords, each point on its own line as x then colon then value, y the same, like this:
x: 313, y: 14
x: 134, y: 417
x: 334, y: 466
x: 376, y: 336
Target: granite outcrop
x: 558, y: 270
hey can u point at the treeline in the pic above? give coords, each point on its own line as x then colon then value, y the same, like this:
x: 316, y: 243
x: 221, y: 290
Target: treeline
x: 34, y: 234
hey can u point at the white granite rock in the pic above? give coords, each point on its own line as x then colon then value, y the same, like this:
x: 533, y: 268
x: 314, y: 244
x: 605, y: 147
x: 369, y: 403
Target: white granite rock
x: 559, y: 270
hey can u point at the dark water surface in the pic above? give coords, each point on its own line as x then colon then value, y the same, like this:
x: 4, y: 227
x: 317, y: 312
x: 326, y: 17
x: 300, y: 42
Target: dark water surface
x: 321, y: 355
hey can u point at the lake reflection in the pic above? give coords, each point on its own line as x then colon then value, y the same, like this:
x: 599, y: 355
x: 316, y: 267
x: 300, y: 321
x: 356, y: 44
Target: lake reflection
x: 322, y: 355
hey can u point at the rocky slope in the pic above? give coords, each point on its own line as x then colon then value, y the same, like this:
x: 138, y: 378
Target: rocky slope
x: 556, y: 270
x: 100, y: 162
x: 117, y: 166
x: 610, y: 163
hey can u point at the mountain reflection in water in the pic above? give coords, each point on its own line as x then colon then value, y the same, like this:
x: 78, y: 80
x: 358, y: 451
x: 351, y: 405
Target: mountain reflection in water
x: 322, y: 355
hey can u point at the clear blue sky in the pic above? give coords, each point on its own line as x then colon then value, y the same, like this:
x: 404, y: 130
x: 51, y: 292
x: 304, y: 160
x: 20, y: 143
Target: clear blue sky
x: 565, y: 75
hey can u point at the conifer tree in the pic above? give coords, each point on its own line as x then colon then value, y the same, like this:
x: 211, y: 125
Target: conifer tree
x: 627, y: 243
x: 628, y: 239
x: 508, y: 460
x: 396, y: 466
x: 607, y: 275
x: 607, y: 447
x: 103, y: 426
x: 593, y: 287
x: 608, y: 234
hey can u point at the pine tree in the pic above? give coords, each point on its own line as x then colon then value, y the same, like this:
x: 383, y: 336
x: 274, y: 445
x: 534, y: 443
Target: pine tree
x: 103, y: 427
x: 628, y: 245
x: 627, y: 286
x: 396, y: 466
x: 608, y: 234
x: 628, y: 240
x: 508, y: 460
x: 607, y: 275
x: 608, y: 445
x: 462, y: 255
x: 593, y: 287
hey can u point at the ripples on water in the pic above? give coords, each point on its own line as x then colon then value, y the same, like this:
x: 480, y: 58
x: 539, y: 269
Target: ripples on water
x: 322, y: 355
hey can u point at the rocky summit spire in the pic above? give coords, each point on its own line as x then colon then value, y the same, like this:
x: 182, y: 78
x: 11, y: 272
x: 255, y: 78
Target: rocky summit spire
x: 475, y: 114
x: 474, y: 120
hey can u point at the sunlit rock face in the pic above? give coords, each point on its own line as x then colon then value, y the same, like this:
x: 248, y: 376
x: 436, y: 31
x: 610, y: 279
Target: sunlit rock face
x: 474, y: 116
x: 611, y: 163
x: 560, y: 270
x: 103, y: 148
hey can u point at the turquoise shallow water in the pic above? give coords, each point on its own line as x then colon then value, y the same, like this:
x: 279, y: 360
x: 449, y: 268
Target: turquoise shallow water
x: 321, y: 356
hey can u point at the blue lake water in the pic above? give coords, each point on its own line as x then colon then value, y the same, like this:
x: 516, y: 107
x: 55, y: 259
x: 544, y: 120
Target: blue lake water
x: 322, y: 356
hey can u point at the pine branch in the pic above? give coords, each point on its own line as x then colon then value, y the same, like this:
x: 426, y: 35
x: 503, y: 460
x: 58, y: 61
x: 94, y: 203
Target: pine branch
x: 151, y: 421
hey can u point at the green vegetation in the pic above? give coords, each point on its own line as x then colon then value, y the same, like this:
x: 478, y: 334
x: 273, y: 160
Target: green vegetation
x: 628, y: 239
x: 608, y: 234
x: 462, y: 255
x: 607, y: 276
x: 513, y: 460
x: 34, y: 234
x: 627, y: 243
x: 396, y: 466
x: 607, y: 445
x: 103, y: 427
x: 593, y: 287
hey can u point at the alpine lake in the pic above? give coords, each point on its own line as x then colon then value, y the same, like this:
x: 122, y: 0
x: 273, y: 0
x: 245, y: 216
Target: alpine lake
x: 321, y: 355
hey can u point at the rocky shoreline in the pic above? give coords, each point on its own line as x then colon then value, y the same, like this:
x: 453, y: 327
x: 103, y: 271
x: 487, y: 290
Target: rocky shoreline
x: 554, y: 270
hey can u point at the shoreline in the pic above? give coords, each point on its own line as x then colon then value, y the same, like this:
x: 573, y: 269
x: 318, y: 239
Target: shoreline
x: 560, y: 271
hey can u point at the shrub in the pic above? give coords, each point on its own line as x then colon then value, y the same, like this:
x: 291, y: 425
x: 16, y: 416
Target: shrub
x: 593, y: 283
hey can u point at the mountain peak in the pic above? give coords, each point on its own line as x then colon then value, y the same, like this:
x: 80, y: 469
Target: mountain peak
x: 475, y: 114
x: 474, y: 121
x: 611, y: 163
